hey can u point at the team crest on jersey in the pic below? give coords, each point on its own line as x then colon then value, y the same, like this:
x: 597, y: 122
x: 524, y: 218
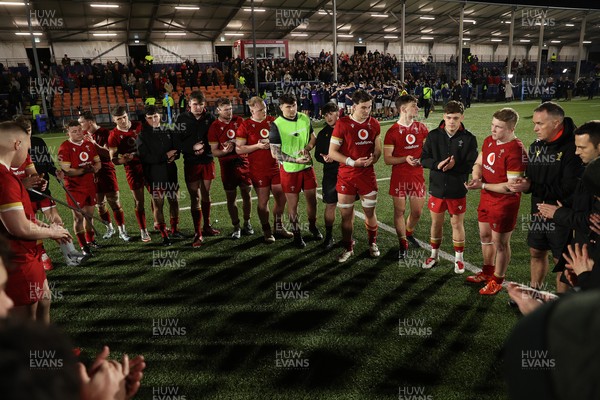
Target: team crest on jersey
x: 491, y: 158
x: 230, y: 133
x: 363, y: 134
x: 264, y: 133
x: 410, y: 139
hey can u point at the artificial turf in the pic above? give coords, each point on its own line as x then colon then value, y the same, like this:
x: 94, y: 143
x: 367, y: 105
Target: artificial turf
x: 245, y: 320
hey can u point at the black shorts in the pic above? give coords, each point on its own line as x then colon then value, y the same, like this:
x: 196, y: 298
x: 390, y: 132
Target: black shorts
x: 329, y: 193
x: 546, y: 235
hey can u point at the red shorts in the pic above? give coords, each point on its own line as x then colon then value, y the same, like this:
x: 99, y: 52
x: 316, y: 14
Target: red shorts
x: 407, y: 186
x: 361, y: 183
x: 199, y: 172
x: 501, y: 213
x: 26, y: 282
x: 294, y: 182
x: 234, y: 174
x: 454, y: 206
x: 135, y: 175
x: 82, y: 198
x: 106, y: 181
x: 42, y: 205
x: 265, y: 179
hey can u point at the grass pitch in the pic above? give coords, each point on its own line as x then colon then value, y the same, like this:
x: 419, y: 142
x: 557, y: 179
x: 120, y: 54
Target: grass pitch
x: 244, y: 320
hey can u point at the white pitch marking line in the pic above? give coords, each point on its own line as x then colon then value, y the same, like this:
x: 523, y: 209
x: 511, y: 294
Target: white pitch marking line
x: 385, y: 227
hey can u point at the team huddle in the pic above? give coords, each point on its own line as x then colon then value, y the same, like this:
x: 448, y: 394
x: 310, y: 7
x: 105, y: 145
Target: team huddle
x: 273, y: 155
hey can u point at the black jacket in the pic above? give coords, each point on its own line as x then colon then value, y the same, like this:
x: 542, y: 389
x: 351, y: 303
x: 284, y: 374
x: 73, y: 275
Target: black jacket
x: 438, y: 147
x: 577, y: 216
x: 44, y: 165
x: 553, y: 169
x: 153, y: 145
x: 322, y: 147
x: 188, y: 132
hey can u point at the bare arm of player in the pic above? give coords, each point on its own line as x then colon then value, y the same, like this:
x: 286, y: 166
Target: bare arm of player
x: 228, y: 148
x: 477, y: 174
x: 243, y: 148
x: 18, y: 225
x: 389, y: 159
x: 377, y: 151
x: 119, y: 159
x: 334, y: 153
x: 97, y: 164
x: 102, y: 151
x: 282, y: 157
x: 75, y: 171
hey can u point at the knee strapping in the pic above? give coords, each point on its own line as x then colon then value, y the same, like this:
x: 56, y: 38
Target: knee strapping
x: 368, y: 203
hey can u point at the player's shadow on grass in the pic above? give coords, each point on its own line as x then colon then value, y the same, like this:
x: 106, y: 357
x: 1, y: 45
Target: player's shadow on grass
x: 437, y: 352
x: 354, y: 285
x: 302, y: 321
x: 393, y: 299
x: 326, y: 369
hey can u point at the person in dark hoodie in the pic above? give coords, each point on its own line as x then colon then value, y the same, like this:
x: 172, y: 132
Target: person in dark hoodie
x: 158, y: 154
x: 551, y: 177
x: 576, y: 217
x: 191, y: 139
x: 449, y: 153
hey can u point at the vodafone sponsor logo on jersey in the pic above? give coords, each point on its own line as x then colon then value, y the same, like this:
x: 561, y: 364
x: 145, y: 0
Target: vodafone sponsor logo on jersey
x: 230, y: 133
x: 363, y: 135
x: 491, y: 159
x: 264, y: 133
x: 83, y: 156
x: 411, y: 139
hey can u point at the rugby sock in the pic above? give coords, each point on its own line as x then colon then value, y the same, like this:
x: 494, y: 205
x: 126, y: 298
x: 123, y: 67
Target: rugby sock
x: 266, y: 229
x: 119, y: 216
x: 206, y: 212
x: 435, y: 246
x: 105, y: 216
x: 328, y: 231
x: 278, y: 224
x: 174, y: 222
x: 409, y: 232
x: 162, y: 227
x: 140, y: 215
x: 372, y: 233
x: 498, y: 279
x: 312, y: 223
x: 71, y: 247
x: 197, y: 219
x: 64, y: 248
x: 349, y: 246
x: 81, y: 238
x: 295, y: 224
x: 89, y: 236
x: 488, y: 269
x: 459, y: 248
x: 403, y: 243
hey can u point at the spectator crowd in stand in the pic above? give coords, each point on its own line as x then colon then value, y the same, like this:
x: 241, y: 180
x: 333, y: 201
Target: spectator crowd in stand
x: 311, y: 78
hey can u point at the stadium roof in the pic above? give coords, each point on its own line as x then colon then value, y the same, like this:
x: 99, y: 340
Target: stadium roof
x: 371, y: 21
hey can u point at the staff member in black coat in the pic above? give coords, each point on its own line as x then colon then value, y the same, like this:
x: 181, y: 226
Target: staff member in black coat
x: 552, y: 173
x: 158, y: 154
